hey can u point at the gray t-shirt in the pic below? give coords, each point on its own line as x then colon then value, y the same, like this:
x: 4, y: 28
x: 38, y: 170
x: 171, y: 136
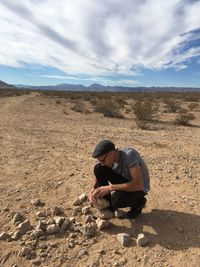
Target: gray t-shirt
x: 128, y: 158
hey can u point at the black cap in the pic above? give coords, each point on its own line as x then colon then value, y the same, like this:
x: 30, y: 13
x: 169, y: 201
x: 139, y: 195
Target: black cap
x: 103, y: 147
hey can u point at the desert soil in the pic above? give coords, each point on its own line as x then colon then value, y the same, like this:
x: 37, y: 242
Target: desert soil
x: 45, y: 152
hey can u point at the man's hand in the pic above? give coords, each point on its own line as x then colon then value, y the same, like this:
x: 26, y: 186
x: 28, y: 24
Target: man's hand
x: 91, y: 196
x: 102, y: 191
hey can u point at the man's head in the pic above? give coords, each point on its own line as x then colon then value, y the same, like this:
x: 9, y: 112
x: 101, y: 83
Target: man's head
x: 104, y: 152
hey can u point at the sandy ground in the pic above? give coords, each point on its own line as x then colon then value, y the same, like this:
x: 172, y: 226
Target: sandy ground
x: 46, y: 153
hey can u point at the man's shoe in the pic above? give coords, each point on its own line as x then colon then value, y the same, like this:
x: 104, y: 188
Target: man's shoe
x: 135, y: 212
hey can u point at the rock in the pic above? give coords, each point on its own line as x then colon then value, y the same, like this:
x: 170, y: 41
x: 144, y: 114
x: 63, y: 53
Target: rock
x: 79, y: 201
x: 38, y: 232
x: 88, y: 229
x: 89, y: 218
x: 4, y: 236
x: 142, y: 240
x: 57, y: 211
x: 16, y: 235
x: 41, y: 225
x: 82, y: 252
x: 25, y: 251
x: 85, y: 210
x: 53, y: 229
x: 37, y: 202
x: 103, y: 214
x: 119, y: 214
x: 101, y: 203
x: 102, y: 224
x: 59, y: 220
x: 18, y: 217
x: 6, y: 209
x: 36, y: 262
x: 76, y: 210
x: 124, y: 238
x: 65, y: 225
x: 24, y: 227
x: 41, y: 214
x: 50, y: 221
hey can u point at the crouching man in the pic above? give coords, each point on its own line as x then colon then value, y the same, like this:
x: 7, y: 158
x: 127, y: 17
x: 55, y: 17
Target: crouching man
x: 124, y: 173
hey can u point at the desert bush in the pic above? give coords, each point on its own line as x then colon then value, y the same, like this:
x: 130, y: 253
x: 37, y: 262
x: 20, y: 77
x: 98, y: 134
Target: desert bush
x: 108, y: 109
x: 193, y: 106
x: 79, y: 107
x: 171, y: 105
x: 184, y: 117
x: 144, y: 125
x: 144, y: 111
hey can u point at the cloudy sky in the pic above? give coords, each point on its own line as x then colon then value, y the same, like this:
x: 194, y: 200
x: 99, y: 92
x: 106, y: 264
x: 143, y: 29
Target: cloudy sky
x: 111, y: 42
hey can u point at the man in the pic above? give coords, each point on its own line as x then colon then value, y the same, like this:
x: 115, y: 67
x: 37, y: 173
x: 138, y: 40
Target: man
x: 122, y: 172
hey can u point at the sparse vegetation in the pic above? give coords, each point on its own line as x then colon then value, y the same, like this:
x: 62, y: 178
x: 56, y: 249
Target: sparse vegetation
x: 193, y: 106
x: 184, y: 118
x: 144, y: 111
x: 109, y: 109
x: 79, y: 107
x: 172, y: 105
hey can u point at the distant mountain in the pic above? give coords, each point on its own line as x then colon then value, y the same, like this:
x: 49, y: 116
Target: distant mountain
x: 101, y: 88
x: 4, y: 85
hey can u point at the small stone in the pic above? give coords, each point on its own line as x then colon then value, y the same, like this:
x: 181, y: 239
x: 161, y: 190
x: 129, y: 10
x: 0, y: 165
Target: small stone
x: 180, y: 230
x: 53, y: 229
x: 4, y: 236
x: 104, y: 214
x: 89, y: 218
x: 16, y: 235
x: 38, y: 232
x: 88, y: 229
x: 57, y: 211
x: 82, y: 253
x: 6, y: 209
x: 76, y: 210
x: 101, y: 203
x: 24, y: 227
x: 41, y: 214
x: 58, y: 220
x: 119, y: 214
x: 86, y: 210
x: 142, y: 240
x: 25, y: 251
x: 37, y: 202
x: 50, y: 221
x: 41, y: 225
x: 36, y: 262
x: 65, y: 225
x: 124, y: 238
x: 79, y: 201
x: 102, y: 224
x: 18, y: 217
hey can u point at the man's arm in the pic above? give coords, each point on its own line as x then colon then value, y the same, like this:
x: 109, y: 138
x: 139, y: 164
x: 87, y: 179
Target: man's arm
x: 136, y: 184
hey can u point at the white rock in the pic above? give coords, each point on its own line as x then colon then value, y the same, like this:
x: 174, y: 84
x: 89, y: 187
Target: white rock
x: 103, y: 214
x: 25, y: 251
x: 89, y: 218
x: 76, y: 210
x: 88, y: 229
x: 142, y: 240
x: 18, y: 217
x: 16, y: 235
x: 24, y: 227
x: 102, y: 224
x: 101, y: 203
x: 37, y: 202
x: 86, y: 210
x: 79, y: 201
x: 53, y: 229
x: 124, y: 238
x: 58, y: 220
x: 119, y: 214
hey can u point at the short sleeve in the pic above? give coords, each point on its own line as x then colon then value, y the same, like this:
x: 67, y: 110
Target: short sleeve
x: 131, y: 158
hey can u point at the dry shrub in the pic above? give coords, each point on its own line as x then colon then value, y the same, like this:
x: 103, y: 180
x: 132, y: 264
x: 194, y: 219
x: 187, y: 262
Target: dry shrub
x: 172, y: 105
x: 184, y: 117
x: 108, y: 109
x: 193, y: 106
x: 79, y: 107
x: 145, y: 111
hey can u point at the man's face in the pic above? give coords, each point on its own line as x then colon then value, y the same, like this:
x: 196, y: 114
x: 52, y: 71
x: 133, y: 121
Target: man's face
x: 106, y: 159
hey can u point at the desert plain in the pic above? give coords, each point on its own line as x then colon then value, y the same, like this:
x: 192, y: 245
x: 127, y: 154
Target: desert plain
x: 45, y: 153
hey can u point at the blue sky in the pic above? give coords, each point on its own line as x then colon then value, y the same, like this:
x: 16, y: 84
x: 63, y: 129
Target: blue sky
x: 111, y: 42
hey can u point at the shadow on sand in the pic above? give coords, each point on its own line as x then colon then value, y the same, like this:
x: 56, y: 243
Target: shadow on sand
x: 170, y: 229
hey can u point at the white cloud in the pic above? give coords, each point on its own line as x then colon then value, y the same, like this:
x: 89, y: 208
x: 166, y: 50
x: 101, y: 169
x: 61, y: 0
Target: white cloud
x: 98, y: 37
